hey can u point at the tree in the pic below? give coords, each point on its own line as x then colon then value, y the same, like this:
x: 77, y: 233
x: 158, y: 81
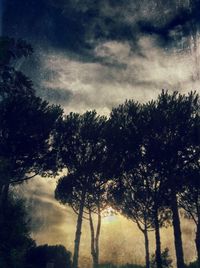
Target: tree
x: 155, y: 182
x: 172, y: 118
x: 189, y: 200
x: 123, y: 138
x: 82, y: 150
x: 71, y: 190
x: 14, y: 234
x: 124, y: 153
x: 131, y: 198
x: 134, y: 172
x: 26, y: 123
x: 86, y: 196
x: 96, y: 202
x: 12, y: 50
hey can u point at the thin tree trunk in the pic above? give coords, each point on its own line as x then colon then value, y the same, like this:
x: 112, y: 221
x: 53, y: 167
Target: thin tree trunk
x: 95, y: 261
x: 4, y: 198
x: 3, y: 216
x: 177, y: 231
x: 95, y: 239
x: 197, y: 238
x: 197, y: 241
x: 146, y: 240
x: 97, y: 236
x: 158, y: 243
x: 93, y: 252
x: 78, y: 233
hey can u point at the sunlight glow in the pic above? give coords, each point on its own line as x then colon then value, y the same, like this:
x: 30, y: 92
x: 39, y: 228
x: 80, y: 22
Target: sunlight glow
x: 109, y: 215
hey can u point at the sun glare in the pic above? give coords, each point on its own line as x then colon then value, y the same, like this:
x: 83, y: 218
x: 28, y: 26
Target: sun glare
x: 109, y: 215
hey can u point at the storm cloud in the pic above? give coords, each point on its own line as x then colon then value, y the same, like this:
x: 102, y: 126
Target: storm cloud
x: 111, y: 50
x: 79, y: 26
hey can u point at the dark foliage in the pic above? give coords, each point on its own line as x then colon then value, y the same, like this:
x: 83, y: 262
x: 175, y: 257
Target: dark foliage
x: 40, y: 256
x: 14, y: 234
x: 166, y: 260
x: 82, y: 150
x: 26, y: 121
x: 192, y: 265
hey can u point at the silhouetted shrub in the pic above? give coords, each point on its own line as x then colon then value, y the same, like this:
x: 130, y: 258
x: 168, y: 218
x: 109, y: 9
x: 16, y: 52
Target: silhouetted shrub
x: 166, y: 260
x: 40, y: 256
x: 192, y: 265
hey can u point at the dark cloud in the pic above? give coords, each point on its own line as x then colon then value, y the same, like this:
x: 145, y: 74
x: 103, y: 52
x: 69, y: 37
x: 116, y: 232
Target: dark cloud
x: 122, y: 40
x: 79, y: 26
x: 183, y: 22
x: 56, y: 95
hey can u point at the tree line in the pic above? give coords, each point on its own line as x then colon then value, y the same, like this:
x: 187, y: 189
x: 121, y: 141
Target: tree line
x: 142, y: 160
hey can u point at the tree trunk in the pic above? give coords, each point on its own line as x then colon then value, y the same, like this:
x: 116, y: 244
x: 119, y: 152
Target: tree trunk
x: 4, y: 198
x: 158, y: 243
x: 4, y: 192
x: 3, y: 217
x: 197, y: 241
x: 95, y: 239
x: 177, y: 231
x: 146, y: 240
x: 78, y: 233
x: 93, y: 252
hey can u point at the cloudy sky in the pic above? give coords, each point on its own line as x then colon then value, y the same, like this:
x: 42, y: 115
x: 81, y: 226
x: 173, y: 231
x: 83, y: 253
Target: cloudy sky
x: 95, y: 54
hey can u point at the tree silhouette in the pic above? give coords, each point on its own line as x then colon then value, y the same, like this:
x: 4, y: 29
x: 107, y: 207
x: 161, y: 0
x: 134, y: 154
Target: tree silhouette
x: 127, y: 193
x: 190, y: 196
x: 156, y: 183
x: 96, y: 202
x: 189, y: 200
x: 87, y: 197
x: 131, y: 198
x: 40, y: 256
x: 82, y: 150
x: 173, y: 119
x: 123, y: 138
x: 12, y: 50
x: 71, y: 190
x: 26, y: 125
x: 136, y: 192
x: 14, y: 234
